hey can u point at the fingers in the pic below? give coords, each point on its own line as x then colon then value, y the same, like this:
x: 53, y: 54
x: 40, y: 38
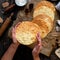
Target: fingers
x: 39, y: 45
x: 38, y: 38
x: 13, y: 35
x: 36, y: 50
x: 17, y: 24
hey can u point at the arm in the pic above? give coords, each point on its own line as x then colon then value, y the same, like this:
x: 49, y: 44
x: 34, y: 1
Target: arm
x: 12, y: 49
x: 37, y: 48
x: 10, y: 52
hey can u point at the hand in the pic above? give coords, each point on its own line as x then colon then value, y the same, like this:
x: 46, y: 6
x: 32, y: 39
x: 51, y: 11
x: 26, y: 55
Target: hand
x: 37, y: 48
x: 13, y: 36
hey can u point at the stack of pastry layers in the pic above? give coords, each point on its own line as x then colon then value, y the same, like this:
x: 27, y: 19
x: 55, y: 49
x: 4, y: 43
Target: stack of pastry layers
x: 42, y: 22
x: 43, y: 15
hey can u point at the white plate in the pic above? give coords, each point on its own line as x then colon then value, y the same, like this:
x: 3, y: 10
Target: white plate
x: 21, y: 2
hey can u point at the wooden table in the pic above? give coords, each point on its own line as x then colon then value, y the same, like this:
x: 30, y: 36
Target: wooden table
x: 48, y: 42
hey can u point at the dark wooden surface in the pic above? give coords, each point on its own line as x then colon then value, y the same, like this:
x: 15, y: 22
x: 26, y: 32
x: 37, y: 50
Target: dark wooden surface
x: 4, y: 40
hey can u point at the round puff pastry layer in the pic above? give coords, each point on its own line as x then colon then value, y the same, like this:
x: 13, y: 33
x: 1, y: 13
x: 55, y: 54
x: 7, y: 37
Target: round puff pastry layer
x: 26, y: 32
x: 44, y: 21
x: 44, y: 7
x: 45, y: 3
